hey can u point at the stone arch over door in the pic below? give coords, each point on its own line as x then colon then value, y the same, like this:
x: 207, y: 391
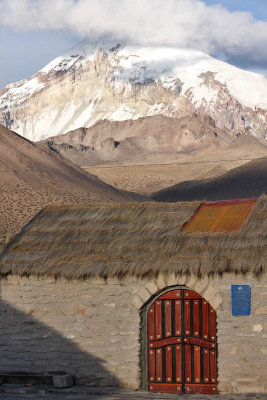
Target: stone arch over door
x: 179, y: 344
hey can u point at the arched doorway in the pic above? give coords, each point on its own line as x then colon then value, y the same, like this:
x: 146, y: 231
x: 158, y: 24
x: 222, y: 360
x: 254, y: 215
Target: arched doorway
x: 181, y: 347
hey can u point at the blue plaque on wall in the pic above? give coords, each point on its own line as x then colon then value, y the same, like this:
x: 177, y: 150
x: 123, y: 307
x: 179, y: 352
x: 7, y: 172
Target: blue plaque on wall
x: 240, y: 298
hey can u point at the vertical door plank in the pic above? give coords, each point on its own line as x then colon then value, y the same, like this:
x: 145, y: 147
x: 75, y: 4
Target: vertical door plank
x: 178, y: 317
x: 212, y: 324
x: 168, y: 364
x: 178, y: 363
x: 213, y: 366
x: 168, y: 318
x: 196, y: 318
x: 159, y: 365
x: 206, y: 366
x: 151, y: 333
x: 187, y: 363
x: 205, y: 320
x: 187, y: 324
x: 151, y: 365
x: 158, y: 333
x: 197, y: 364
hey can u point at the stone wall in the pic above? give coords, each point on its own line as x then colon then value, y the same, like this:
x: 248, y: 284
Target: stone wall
x: 91, y: 329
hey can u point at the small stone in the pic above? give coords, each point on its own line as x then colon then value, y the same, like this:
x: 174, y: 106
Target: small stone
x: 201, y: 284
x: 161, y: 281
x: 233, y: 351
x: 212, y: 296
x: 257, y: 328
x: 191, y: 281
x: 261, y: 310
x: 250, y: 389
x: 137, y: 302
x: 144, y: 294
x: 62, y: 381
x: 171, y: 279
x: 152, y: 287
x: 181, y: 279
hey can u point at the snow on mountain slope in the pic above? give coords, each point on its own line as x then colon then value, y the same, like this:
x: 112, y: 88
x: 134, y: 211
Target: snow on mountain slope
x: 116, y: 82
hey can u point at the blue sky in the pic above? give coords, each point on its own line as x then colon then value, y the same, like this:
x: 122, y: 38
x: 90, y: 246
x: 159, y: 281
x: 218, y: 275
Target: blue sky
x: 27, y: 52
x: 257, y: 7
x: 30, y: 38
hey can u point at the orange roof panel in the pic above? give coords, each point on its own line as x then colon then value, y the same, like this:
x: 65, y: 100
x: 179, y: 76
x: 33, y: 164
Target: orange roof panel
x: 220, y: 216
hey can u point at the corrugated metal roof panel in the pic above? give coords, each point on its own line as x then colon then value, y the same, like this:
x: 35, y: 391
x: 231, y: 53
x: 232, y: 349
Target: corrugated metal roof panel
x: 220, y: 216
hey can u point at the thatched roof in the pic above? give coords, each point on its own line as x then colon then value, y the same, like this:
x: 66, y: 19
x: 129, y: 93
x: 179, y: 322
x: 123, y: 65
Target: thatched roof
x: 142, y: 239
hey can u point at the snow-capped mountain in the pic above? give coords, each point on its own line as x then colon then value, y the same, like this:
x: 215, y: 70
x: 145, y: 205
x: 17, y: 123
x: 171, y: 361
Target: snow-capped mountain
x: 118, y: 82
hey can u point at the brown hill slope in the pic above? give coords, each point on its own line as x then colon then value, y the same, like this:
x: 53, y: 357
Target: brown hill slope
x: 150, y: 177
x: 32, y: 176
x: 156, y: 138
x: 248, y: 180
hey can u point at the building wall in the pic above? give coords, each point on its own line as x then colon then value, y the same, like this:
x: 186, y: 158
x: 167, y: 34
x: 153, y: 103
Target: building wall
x: 91, y: 329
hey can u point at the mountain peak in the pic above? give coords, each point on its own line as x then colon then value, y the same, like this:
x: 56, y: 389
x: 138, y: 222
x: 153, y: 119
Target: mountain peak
x: 117, y: 81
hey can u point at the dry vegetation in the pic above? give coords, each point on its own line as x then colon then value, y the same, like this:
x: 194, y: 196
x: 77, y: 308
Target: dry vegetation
x: 141, y: 239
x: 18, y: 207
x: 32, y: 177
x: 149, y: 178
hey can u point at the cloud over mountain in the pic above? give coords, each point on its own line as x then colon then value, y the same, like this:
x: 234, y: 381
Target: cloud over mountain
x: 186, y: 23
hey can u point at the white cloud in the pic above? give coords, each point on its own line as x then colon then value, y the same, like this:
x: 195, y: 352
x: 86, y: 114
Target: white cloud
x: 188, y: 23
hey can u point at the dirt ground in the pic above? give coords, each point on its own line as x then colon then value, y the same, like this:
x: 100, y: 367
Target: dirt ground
x: 147, y: 178
x: 95, y: 393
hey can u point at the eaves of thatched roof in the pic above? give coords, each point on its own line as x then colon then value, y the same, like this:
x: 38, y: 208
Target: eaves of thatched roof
x: 144, y: 239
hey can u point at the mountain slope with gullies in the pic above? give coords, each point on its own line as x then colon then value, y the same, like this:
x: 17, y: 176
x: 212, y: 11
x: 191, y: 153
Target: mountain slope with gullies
x: 113, y: 81
x: 32, y: 177
x: 148, y: 139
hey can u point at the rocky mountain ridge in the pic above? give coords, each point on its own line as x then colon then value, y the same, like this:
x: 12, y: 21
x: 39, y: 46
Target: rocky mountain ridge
x: 117, y: 82
x: 148, y: 139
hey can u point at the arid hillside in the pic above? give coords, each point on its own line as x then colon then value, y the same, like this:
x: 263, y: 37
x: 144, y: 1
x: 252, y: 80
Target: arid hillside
x: 249, y: 180
x: 148, y: 139
x: 149, y: 177
x: 31, y: 177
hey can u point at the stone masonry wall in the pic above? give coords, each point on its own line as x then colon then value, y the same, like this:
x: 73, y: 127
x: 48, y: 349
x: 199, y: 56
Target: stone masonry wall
x: 91, y: 329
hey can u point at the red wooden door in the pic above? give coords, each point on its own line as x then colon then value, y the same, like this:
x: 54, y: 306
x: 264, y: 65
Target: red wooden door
x: 182, y: 351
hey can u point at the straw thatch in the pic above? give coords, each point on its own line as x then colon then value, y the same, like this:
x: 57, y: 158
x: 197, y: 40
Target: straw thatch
x: 142, y: 239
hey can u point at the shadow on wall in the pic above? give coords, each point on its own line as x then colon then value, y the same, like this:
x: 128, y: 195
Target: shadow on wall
x: 27, y: 346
